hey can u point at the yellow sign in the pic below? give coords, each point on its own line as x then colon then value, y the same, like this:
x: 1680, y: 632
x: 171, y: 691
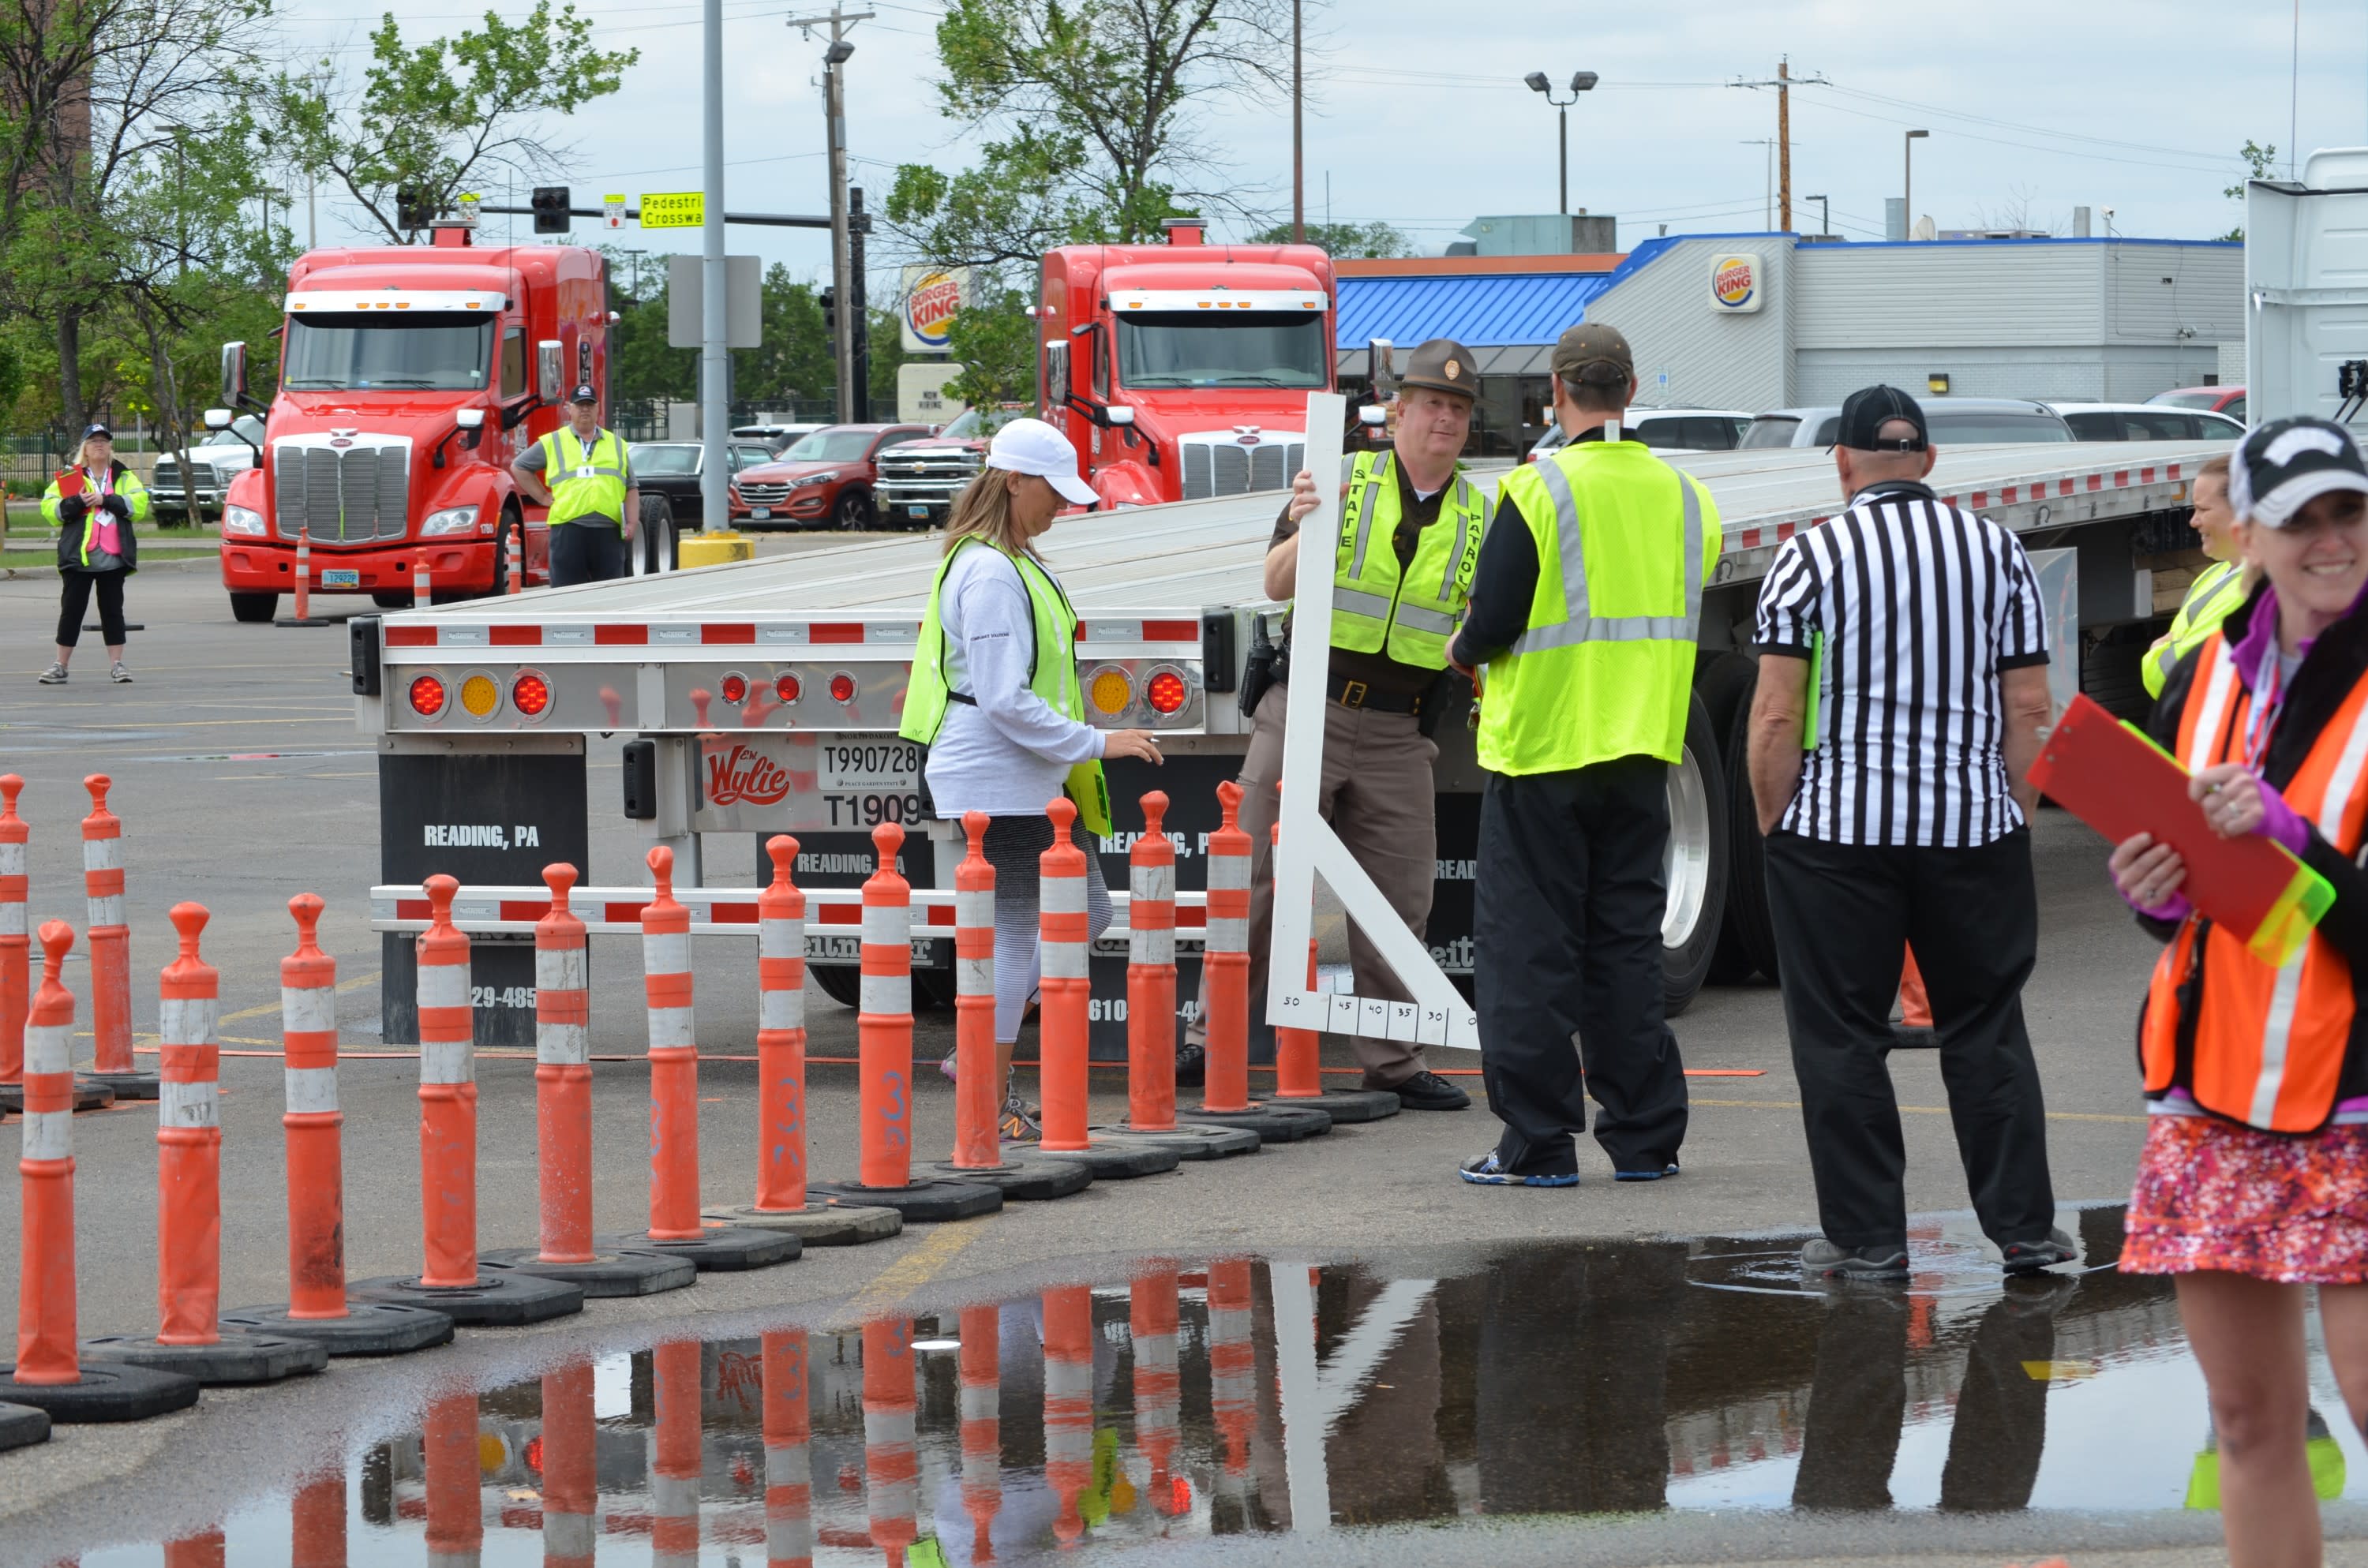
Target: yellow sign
x: 674, y: 210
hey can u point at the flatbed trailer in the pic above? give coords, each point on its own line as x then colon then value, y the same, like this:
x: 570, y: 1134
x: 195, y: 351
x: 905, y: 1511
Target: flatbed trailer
x: 763, y: 697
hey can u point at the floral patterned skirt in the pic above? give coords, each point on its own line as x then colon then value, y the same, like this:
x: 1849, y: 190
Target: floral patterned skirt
x: 2213, y: 1195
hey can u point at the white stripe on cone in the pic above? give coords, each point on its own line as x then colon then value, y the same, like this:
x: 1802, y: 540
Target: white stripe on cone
x: 562, y: 969
x: 102, y: 854
x: 312, y: 1090
x: 443, y: 985
x: 781, y: 1010
x: 562, y: 1045
x: 1064, y: 895
x: 309, y: 1009
x: 46, y: 1050
x: 186, y: 1020
x: 1063, y: 960
x: 887, y: 925
x: 49, y: 1135
x: 670, y: 1027
x: 187, y: 1105
x: 890, y: 995
x: 780, y: 938
x: 447, y: 1061
x: 666, y: 952
x: 1227, y: 934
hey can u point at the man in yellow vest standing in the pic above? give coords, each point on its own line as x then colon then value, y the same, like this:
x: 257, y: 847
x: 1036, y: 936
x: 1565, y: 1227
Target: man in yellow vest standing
x: 1586, y: 611
x: 1410, y: 530
x: 585, y: 476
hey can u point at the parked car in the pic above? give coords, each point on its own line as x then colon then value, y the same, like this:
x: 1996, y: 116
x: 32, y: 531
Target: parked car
x: 2229, y: 401
x: 671, y: 470
x: 1954, y: 422
x: 213, y: 464
x: 919, y: 480
x: 775, y: 438
x: 825, y: 478
x: 1669, y: 430
x: 2145, y: 422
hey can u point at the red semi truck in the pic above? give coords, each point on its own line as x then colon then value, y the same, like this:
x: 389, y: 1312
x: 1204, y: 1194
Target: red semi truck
x: 410, y: 378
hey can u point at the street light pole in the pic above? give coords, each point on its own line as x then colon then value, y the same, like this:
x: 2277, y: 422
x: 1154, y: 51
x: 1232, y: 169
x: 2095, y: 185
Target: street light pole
x: 834, y: 99
x: 1907, y: 179
x: 1580, y: 81
x: 1825, y: 215
x: 1298, y: 143
x: 715, y: 415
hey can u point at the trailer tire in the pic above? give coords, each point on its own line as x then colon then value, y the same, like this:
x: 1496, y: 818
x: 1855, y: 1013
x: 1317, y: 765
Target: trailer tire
x: 2112, y: 668
x: 656, y: 549
x: 1749, y: 936
x: 254, y: 607
x: 843, y: 983
x: 1694, y: 866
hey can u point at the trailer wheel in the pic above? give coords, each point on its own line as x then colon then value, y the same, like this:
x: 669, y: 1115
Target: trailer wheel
x: 1694, y: 866
x: 1724, y: 683
x: 1750, y: 930
x: 252, y: 607
x: 654, y: 550
x: 843, y: 983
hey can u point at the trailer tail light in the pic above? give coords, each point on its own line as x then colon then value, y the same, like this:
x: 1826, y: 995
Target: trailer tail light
x: 789, y: 688
x: 1110, y: 691
x: 842, y: 688
x: 530, y: 694
x: 1165, y: 692
x: 479, y: 695
x: 735, y: 687
x: 426, y: 695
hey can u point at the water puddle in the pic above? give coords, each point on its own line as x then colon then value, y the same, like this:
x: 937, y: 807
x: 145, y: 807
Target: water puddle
x: 1238, y: 1397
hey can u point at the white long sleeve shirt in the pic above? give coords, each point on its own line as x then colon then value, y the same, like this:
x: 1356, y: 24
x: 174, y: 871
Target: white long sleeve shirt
x: 1010, y: 754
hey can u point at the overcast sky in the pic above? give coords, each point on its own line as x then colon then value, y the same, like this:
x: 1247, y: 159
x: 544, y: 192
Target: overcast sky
x: 1418, y: 114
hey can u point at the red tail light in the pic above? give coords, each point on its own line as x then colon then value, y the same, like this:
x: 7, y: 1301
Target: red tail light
x: 735, y: 690
x: 530, y: 694
x: 1167, y: 692
x: 426, y: 695
x: 842, y: 688
x: 788, y: 688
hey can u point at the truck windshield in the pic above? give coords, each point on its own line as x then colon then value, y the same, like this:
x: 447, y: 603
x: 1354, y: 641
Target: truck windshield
x: 357, y: 353
x: 1173, y: 348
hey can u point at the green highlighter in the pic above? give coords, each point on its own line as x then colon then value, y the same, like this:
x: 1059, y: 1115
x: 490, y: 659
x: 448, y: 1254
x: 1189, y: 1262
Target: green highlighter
x: 1816, y: 675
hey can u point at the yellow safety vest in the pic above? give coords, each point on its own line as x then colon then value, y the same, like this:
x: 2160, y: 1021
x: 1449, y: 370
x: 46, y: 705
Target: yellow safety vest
x: 592, y: 485
x: 1605, y: 670
x: 2219, y: 589
x: 1411, y: 614
x: 1053, y: 679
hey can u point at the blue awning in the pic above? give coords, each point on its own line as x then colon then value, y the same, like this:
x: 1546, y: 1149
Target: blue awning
x: 1518, y: 309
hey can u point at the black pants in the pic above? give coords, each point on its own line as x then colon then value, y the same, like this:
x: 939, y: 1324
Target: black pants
x: 587, y: 552
x: 1566, y: 939
x: 73, y: 602
x: 1841, y: 912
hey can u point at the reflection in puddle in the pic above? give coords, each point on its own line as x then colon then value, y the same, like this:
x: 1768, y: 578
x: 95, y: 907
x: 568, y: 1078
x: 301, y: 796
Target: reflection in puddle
x: 1245, y: 1397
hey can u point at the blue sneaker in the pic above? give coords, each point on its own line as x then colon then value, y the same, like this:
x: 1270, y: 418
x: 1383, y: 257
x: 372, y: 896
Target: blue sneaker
x: 1670, y: 1170
x: 1487, y: 1171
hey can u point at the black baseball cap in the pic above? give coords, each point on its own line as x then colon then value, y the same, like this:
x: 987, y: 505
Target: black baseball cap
x: 1869, y: 410
x: 2281, y: 466
x: 584, y: 393
x: 94, y: 428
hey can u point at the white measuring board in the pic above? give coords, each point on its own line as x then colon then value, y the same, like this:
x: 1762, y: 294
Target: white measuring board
x: 1439, y: 1015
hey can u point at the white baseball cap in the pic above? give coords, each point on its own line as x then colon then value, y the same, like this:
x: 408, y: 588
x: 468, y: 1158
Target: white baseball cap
x: 1030, y: 446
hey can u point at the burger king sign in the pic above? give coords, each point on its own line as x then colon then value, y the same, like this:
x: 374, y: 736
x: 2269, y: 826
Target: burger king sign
x: 932, y: 297
x: 1734, y: 283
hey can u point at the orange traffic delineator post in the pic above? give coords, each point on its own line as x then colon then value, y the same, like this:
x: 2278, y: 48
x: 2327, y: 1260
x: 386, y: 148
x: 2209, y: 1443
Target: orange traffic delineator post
x: 884, y: 1033
x: 423, y: 588
x: 1069, y: 1403
x: 979, y: 1154
x: 110, y: 950
x: 47, y: 1373
x: 677, y: 1228
x: 317, y: 1522
x: 517, y: 561
x: 982, y: 1426
x: 303, y: 615
x: 571, y: 1481
x: 563, y: 1122
x: 892, y: 1458
x: 1158, y: 1384
x: 789, y: 1467
x: 316, y: 1308
x: 782, y: 1080
x: 16, y: 959
x: 1299, y: 1065
x: 675, y: 1463
x: 189, y: 1196
x: 1915, y: 1027
x: 451, y: 1283
x: 1232, y: 1377
x: 449, y: 1459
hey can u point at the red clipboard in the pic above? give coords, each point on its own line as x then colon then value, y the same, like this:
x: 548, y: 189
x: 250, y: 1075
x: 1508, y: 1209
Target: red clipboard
x: 70, y: 483
x: 2115, y: 779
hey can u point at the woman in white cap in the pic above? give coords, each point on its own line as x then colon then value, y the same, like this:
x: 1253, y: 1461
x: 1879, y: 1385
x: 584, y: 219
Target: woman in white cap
x: 995, y: 698
x: 93, y: 506
x: 2253, y: 1184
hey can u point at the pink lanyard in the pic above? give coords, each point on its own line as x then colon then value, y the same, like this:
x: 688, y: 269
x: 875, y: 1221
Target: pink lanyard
x: 2264, y: 713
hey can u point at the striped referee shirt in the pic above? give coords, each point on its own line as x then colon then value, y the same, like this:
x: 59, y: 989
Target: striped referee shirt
x: 1919, y: 606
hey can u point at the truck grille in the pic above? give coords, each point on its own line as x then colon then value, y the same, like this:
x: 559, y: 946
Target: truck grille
x: 169, y: 476
x: 948, y: 466
x: 348, y: 494
x: 765, y: 495
x: 1226, y: 463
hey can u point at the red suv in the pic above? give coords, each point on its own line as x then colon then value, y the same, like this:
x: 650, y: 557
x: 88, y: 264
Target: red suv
x: 2229, y: 401
x: 825, y: 478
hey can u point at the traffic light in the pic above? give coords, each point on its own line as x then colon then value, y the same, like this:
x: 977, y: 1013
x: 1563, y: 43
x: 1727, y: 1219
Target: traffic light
x: 550, y: 205
x: 413, y: 209
x: 830, y: 309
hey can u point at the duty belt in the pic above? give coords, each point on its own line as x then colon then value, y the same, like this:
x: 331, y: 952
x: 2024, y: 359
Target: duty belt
x: 1351, y: 693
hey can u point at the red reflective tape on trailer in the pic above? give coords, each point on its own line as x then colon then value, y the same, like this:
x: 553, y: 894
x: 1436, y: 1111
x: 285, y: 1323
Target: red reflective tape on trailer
x: 2145, y: 476
x: 941, y: 914
x: 607, y: 633
x: 836, y: 631
x: 2171, y: 473
x: 413, y: 909
x: 1783, y: 531
x: 516, y: 636
x: 2064, y: 487
x: 1747, y: 540
x: 622, y: 914
x: 2096, y: 482
x: 411, y: 636
x: 525, y: 908
x: 743, y: 632
x: 1171, y: 631
x: 2120, y: 478
x: 2005, y: 496
x: 1980, y: 499
x: 1190, y: 914
x: 838, y: 914
x: 732, y: 914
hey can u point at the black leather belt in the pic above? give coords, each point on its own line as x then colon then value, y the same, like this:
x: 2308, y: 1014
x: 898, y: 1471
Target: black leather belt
x: 963, y: 697
x: 1351, y: 693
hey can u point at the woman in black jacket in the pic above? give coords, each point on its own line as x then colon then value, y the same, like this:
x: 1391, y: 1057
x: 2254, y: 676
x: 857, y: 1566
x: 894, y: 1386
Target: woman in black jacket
x: 93, y: 506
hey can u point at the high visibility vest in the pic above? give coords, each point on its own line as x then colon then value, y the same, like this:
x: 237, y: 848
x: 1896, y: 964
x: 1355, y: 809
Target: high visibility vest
x: 1606, y: 668
x: 2259, y: 1042
x: 1412, y: 613
x: 121, y: 481
x: 591, y: 483
x: 2219, y: 589
x: 1053, y: 679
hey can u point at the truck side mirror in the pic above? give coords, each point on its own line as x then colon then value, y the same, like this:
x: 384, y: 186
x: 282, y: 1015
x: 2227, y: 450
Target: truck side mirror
x: 218, y: 418
x: 1119, y: 413
x: 472, y: 422
x: 547, y: 366
x: 1372, y: 414
x: 233, y: 373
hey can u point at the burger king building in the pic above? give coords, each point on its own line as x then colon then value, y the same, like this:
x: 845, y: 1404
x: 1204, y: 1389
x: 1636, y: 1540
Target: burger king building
x: 1759, y: 321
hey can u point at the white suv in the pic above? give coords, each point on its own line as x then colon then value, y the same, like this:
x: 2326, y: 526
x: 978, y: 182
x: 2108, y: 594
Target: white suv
x: 1671, y: 429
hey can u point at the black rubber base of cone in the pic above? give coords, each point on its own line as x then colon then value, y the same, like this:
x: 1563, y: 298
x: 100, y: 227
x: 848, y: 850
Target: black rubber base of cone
x: 1271, y: 1122
x: 87, y: 1095
x: 1190, y: 1140
x: 1346, y: 1107
x: 719, y: 1249
x: 21, y: 1426
x: 1110, y: 1159
x: 127, y: 1086
x: 1026, y: 1179
x: 922, y: 1203
x: 112, y: 1391
x: 304, y: 621
x: 606, y: 1273
x: 236, y: 1357
x: 368, y: 1328
x: 818, y: 1224
x: 498, y: 1299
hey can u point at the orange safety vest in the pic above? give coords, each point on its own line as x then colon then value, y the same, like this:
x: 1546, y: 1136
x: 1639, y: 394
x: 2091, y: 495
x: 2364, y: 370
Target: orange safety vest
x: 2256, y: 1043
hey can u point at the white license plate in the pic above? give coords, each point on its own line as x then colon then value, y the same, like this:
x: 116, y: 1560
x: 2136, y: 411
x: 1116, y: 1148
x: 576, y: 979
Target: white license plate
x: 868, y: 766
x: 341, y: 577
x: 916, y: 511
x: 760, y: 512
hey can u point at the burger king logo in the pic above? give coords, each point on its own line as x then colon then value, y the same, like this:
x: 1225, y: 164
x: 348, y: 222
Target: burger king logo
x: 1735, y: 282
x: 930, y: 304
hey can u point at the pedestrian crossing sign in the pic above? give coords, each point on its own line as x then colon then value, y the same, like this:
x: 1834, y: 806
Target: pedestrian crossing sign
x: 674, y: 210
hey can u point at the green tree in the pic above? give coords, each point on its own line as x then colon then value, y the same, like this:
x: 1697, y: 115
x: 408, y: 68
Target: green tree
x: 1343, y: 240
x: 444, y: 116
x: 994, y: 340
x: 2263, y: 163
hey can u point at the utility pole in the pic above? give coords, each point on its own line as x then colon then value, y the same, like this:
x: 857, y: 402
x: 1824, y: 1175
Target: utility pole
x: 834, y: 101
x: 714, y: 357
x: 1783, y: 81
x: 1298, y: 145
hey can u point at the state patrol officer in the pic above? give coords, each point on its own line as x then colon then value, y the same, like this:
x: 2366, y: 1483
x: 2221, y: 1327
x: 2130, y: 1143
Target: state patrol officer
x: 1409, y: 542
x: 1585, y: 610
x: 595, y: 508
x: 2217, y: 589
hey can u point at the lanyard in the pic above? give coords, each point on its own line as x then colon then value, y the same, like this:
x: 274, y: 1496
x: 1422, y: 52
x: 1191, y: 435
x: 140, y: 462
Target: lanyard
x: 2264, y: 711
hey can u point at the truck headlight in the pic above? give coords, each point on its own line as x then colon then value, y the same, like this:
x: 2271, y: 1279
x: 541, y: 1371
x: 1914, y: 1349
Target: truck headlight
x: 450, y: 520
x: 243, y: 520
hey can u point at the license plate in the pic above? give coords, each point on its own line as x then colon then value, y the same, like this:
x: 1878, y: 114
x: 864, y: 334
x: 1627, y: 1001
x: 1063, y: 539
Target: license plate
x: 341, y: 577
x: 760, y: 512
x: 869, y: 767
x: 916, y: 511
